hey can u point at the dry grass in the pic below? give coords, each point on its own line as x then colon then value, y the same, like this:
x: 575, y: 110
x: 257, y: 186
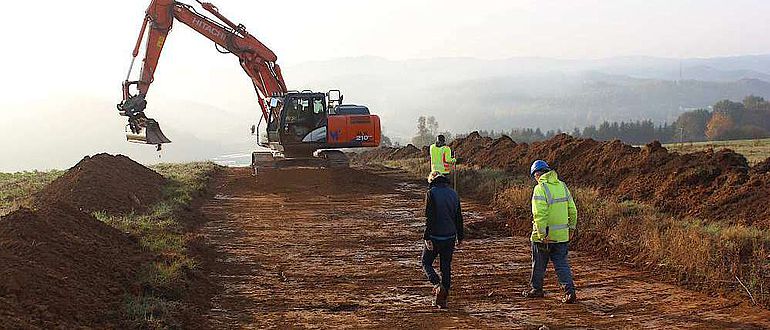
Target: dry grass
x: 163, y: 234
x: 479, y: 183
x: 755, y: 151
x: 705, y: 257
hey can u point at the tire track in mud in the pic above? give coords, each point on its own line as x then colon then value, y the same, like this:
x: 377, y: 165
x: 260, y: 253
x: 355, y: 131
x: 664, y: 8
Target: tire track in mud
x: 340, y: 249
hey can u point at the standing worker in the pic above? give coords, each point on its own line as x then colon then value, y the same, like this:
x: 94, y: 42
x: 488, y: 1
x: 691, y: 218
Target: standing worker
x: 441, y: 156
x: 554, y: 224
x: 443, y: 226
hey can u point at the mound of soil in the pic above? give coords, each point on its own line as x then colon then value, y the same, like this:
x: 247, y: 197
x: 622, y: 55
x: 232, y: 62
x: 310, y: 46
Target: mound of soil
x: 762, y: 167
x: 62, y: 268
x: 387, y: 153
x: 709, y: 185
x: 103, y: 182
x: 410, y: 151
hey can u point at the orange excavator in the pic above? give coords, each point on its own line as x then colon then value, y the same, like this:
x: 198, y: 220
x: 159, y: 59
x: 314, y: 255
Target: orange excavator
x: 300, y: 124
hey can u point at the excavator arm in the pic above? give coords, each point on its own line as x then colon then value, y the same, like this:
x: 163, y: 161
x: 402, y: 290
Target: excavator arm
x: 258, y: 61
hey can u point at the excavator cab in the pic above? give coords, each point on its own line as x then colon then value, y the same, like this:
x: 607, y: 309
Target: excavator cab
x: 303, y: 122
x: 304, y: 118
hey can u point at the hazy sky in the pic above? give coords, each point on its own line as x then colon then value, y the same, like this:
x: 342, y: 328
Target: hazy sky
x: 64, y: 46
x: 60, y: 57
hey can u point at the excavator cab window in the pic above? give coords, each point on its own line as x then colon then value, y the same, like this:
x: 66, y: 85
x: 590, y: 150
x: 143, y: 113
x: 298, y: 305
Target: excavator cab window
x: 318, y: 106
x: 305, y: 114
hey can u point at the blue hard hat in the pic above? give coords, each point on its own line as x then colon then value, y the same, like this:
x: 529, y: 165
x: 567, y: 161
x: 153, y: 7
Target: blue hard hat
x: 538, y: 165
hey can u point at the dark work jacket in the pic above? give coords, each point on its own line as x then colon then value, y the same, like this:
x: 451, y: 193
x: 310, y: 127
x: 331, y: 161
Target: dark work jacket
x: 443, y: 216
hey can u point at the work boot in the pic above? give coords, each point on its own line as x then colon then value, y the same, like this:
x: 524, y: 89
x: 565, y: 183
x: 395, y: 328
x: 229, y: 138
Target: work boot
x: 441, y: 297
x: 532, y: 293
x: 436, y: 289
x: 569, y: 298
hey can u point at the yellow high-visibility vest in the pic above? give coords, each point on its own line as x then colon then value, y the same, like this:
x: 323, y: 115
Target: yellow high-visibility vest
x: 553, y: 210
x: 441, y: 159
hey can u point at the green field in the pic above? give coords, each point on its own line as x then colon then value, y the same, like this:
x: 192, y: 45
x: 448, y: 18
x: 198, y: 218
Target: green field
x: 16, y: 189
x: 755, y: 151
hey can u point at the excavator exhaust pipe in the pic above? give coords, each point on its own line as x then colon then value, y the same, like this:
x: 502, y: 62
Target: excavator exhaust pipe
x: 148, y: 133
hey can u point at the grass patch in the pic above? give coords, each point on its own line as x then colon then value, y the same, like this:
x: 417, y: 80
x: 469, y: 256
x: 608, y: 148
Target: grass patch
x: 17, y: 189
x: 479, y: 183
x: 150, y: 309
x: 755, y: 151
x: 417, y: 167
x: 162, y: 233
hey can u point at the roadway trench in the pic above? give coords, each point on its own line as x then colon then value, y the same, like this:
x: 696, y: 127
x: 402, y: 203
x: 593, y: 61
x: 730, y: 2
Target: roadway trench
x: 340, y: 249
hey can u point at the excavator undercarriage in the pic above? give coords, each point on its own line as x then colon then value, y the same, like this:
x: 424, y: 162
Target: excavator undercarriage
x: 261, y: 160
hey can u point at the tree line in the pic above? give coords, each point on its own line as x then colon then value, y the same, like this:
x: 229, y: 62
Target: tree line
x: 725, y: 120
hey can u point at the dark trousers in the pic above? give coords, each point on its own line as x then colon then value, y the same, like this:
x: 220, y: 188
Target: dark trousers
x: 444, y: 250
x: 557, y: 253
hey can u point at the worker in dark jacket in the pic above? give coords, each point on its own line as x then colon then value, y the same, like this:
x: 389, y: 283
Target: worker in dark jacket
x: 443, y: 227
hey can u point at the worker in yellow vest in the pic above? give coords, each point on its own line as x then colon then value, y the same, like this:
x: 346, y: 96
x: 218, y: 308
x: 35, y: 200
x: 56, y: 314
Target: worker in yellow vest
x: 553, y: 226
x: 441, y: 156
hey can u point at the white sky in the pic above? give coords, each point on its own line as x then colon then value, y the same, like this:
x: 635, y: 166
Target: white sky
x: 64, y: 47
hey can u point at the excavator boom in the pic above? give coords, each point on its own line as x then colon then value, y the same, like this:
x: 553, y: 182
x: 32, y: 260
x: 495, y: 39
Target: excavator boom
x: 256, y: 59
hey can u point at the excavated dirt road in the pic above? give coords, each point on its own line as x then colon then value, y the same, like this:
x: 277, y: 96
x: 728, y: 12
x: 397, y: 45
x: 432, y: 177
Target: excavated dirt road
x: 340, y: 249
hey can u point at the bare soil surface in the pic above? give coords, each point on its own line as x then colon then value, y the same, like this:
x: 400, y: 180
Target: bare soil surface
x: 62, y: 268
x: 340, y: 249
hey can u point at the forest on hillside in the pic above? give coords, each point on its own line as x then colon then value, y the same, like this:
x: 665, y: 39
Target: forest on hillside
x: 725, y: 120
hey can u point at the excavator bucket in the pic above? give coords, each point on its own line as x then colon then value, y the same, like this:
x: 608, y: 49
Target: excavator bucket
x: 149, y: 134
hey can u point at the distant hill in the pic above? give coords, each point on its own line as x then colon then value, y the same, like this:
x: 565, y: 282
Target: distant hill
x: 467, y: 94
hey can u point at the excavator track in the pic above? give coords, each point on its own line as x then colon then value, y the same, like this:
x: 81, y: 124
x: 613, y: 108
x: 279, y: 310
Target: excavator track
x: 335, y: 159
x: 261, y: 160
